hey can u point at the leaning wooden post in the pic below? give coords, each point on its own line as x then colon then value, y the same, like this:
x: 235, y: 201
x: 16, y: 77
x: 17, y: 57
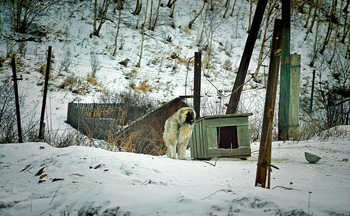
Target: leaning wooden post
x: 197, y: 82
x: 264, y: 160
x: 41, y: 130
x: 247, y: 54
x: 18, y: 113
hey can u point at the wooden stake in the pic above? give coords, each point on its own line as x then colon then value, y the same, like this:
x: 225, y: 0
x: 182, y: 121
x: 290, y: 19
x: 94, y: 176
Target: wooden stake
x: 18, y: 113
x: 197, y: 82
x: 41, y: 134
x: 264, y: 160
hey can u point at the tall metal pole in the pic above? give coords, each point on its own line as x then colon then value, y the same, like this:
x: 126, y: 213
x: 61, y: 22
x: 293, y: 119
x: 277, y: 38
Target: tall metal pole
x: 197, y: 82
x: 41, y: 130
x: 18, y: 113
x: 264, y: 160
x: 247, y: 54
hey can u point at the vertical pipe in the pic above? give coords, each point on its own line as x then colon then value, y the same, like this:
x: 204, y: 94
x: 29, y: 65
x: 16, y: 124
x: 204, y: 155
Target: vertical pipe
x: 41, y: 134
x: 197, y: 82
x: 264, y: 159
x: 13, y: 64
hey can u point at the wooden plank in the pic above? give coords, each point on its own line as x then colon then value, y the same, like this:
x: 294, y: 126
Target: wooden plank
x: 243, y: 136
x: 212, y: 137
x: 204, y: 140
x: 228, y: 115
x: 240, y: 152
x: 223, y: 122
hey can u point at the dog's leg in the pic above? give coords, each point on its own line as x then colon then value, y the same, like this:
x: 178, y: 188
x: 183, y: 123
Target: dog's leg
x: 182, y: 150
x: 171, y: 152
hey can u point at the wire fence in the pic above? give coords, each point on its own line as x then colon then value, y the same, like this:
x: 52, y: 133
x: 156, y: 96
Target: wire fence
x: 101, y: 120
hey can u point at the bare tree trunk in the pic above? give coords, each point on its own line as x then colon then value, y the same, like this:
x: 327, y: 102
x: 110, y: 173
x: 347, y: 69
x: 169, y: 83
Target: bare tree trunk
x: 250, y: 14
x: 137, y: 8
x: 157, y: 15
x: 314, y: 56
x: 95, y: 17
x: 336, y: 35
x: 150, y: 16
x: 312, y: 22
x: 119, y: 7
x: 233, y: 8
x: 309, y: 13
x: 102, y: 17
x: 173, y: 9
x: 330, y: 25
x: 203, y: 27
x: 227, y: 6
x: 143, y: 35
x: 348, y: 48
x: 346, y: 25
x: 197, y: 15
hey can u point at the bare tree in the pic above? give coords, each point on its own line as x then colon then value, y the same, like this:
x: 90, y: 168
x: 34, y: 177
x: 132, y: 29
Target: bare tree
x: 150, y: 16
x: 330, y: 26
x: 309, y: 13
x: 137, y: 8
x: 119, y: 7
x: 197, y: 15
x: 346, y: 24
x: 157, y: 15
x: 250, y: 14
x: 227, y: 6
x: 233, y: 7
x: 143, y: 35
x: 100, y: 15
x: 314, y: 56
x: 172, y: 9
x: 25, y: 13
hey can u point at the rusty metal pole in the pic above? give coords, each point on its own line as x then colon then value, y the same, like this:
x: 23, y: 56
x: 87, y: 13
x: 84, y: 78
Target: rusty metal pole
x: 18, y: 113
x: 247, y: 54
x: 41, y: 130
x: 264, y: 160
x: 197, y: 82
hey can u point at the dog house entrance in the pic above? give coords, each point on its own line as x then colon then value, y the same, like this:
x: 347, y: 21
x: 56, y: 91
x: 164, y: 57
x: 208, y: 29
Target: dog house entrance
x: 227, y: 137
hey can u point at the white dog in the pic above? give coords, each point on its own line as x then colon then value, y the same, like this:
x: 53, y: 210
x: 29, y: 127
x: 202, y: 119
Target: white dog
x: 177, y: 132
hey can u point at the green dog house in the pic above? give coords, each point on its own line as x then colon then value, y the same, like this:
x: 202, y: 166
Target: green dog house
x: 221, y: 136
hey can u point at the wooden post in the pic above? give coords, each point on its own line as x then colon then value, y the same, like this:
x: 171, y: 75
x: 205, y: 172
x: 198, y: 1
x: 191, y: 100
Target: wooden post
x: 41, y: 134
x: 293, y: 124
x: 18, y: 113
x: 264, y: 160
x: 197, y: 82
x: 312, y: 90
x: 284, y: 100
x: 247, y: 54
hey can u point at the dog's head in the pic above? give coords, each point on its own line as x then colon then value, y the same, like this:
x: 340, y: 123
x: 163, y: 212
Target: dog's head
x: 187, y: 115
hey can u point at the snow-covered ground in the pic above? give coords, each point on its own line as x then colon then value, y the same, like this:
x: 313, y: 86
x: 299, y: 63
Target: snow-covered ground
x: 37, y: 179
